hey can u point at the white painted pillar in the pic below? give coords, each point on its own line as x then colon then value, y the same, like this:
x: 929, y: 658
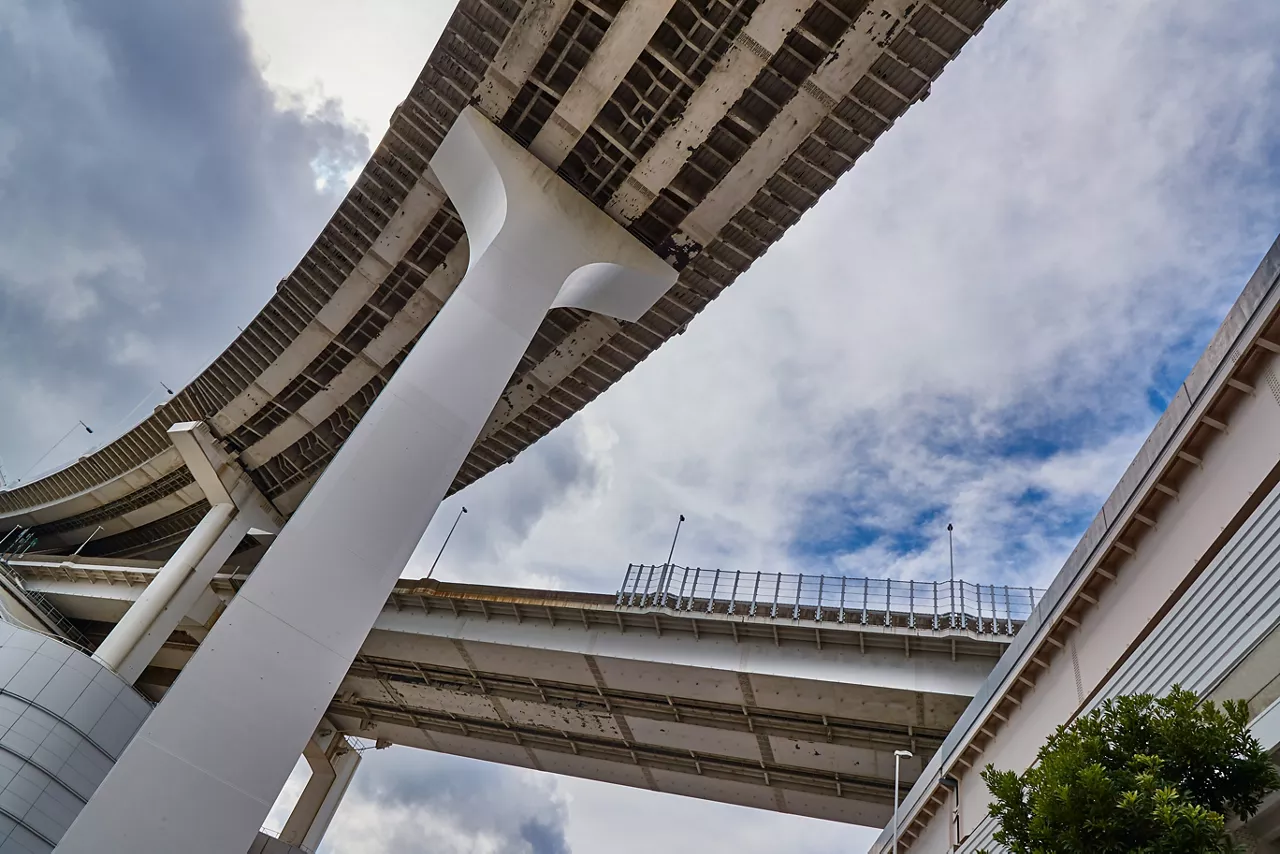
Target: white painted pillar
x: 177, y: 606
x: 204, y: 770
x: 138, y: 619
x: 236, y: 505
x: 333, y: 765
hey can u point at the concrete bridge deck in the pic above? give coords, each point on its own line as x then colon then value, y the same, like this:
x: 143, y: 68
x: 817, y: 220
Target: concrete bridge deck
x: 781, y: 713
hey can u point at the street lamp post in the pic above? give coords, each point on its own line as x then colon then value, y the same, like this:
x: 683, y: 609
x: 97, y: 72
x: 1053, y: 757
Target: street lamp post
x: 86, y: 542
x: 666, y: 569
x: 951, y: 559
x: 897, y: 763
x: 446, y: 542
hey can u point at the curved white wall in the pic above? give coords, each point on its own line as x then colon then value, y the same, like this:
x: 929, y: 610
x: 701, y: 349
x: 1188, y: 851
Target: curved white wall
x: 64, y: 719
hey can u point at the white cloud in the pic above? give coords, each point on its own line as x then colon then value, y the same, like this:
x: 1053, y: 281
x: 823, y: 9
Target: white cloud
x: 311, y: 52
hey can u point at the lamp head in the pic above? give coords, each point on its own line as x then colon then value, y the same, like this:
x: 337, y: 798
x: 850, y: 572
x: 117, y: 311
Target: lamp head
x: 903, y: 753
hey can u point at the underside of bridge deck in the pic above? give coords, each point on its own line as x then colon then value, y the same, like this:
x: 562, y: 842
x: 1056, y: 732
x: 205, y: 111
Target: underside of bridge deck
x: 781, y: 714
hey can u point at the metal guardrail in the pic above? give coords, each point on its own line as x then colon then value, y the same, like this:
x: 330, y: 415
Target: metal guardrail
x: 983, y: 608
x: 47, y: 608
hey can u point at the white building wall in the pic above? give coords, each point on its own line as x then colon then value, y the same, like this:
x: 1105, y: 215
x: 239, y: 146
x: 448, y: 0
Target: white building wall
x: 1211, y: 628
x: 64, y: 719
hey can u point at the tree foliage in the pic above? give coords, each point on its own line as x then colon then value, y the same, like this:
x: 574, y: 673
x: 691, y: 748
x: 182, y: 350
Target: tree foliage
x: 1140, y: 775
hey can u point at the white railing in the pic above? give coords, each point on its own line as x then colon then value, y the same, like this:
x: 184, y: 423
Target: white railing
x: 47, y: 608
x: 938, y: 605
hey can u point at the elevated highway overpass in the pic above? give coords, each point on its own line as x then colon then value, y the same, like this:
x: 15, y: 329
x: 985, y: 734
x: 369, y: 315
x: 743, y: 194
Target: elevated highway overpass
x: 706, y: 127
x: 566, y: 185
x: 799, y: 712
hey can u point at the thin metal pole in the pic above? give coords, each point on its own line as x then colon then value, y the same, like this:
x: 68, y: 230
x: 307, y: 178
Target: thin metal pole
x: 64, y: 438
x: 897, y: 761
x: 86, y: 542
x: 951, y: 558
x: 666, y: 569
x: 446, y: 542
x: 10, y: 534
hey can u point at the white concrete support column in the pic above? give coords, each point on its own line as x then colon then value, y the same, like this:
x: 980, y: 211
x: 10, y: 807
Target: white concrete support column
x: 333, y: 764
x: 235, y: 506
x: 204, y: 770
x: 140, y: 616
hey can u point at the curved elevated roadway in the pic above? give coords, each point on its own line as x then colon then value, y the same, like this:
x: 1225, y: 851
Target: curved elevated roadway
x: 706, y: 127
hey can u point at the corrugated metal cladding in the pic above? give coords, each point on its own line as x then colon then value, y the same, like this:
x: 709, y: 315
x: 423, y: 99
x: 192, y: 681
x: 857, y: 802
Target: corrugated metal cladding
x: 652, y: 95
x: 1225, y: 614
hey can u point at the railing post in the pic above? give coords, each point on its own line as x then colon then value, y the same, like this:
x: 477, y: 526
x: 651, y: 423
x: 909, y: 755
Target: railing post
x: 817, y: 614
x: 840, y: 618
x: 777, y: 593
x: 866, y: 593
x: 795, y: 611
x: 622, y: 591
x: 684, y: 578
x: 935, y: 606
x: 911, y: 603
x: 888, y: 602
x: 635, y: 587
x: 755, y: 594
x: 733, y: 597
x: 711, y: 602
x: 1008, y: 611
x: 952, y: 585
x: 964, y: 617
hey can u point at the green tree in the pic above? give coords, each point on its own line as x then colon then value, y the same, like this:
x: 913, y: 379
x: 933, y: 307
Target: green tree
x: 1139, y: 775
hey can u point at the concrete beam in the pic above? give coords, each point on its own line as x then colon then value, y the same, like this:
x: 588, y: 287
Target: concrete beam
x: 579, y: 346
x: 333, y: 764
x: 524, y: 45
x: 408, y: 322
x: 420, y: 205
x: 618, y: 50
x: 799, y: 118
x: 750, y: 52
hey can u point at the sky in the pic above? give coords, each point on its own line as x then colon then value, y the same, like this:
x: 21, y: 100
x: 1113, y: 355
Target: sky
x: 979, y: 324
